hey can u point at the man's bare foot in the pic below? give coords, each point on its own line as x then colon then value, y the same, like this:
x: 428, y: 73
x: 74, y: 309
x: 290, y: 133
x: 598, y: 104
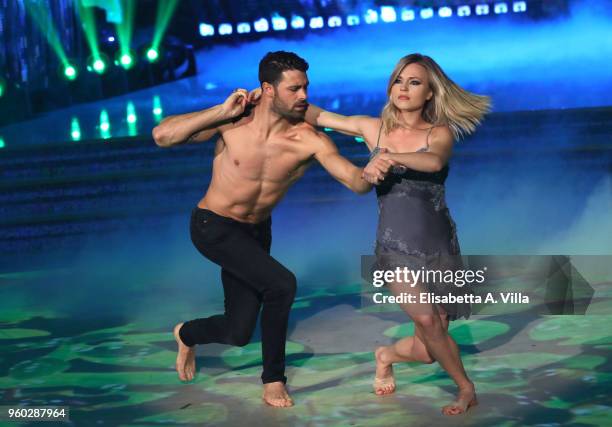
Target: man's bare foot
x: 275, y: 394
x: 384, y: 383
x: 185, y: 359
x: 465, y: 400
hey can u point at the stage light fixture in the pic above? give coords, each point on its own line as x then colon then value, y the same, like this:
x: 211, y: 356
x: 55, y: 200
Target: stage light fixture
x: 482, y: 9
x: 97, y: 64
x: 519, y: 6
x: 225, y: 29
x: 388, y: 14
x: 70, y: 72
x: 243, y: 28
x: 371, y: 16
x: 500, y: 8
x: 279, y: 23
x: 261, y: 25
x: 464, y: 11
x: 206, y: 30
x: 352, y: 20
x: 445, y: 12
x: 75, y: 129
x: 407, y: 14
x: 152, y: 55
x: 316, y: 22
x: 426, y: 13
x: 334, y: 21
x: 297, y: 22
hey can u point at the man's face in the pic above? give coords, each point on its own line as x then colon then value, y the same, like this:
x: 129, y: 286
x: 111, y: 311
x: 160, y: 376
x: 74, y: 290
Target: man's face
x: 290, y: 95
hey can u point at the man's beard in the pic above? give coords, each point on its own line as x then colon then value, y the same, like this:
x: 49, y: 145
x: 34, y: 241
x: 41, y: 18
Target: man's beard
x: 293, y: 116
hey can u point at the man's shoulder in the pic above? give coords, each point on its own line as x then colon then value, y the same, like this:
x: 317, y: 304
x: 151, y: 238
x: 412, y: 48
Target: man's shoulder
x: 238, y: 122
x: 309, y: 133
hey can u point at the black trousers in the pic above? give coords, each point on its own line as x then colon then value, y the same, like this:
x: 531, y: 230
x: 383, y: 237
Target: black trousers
x: 252, y: 279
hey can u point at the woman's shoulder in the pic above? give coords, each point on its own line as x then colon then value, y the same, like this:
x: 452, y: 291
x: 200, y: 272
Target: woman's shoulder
x: 442, y: 132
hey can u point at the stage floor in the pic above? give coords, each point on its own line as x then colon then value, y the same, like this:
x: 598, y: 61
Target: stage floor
x: 95, y: 336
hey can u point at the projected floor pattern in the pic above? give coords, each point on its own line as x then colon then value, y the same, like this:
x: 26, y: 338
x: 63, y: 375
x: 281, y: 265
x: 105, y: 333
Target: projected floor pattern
x: 528, y: 370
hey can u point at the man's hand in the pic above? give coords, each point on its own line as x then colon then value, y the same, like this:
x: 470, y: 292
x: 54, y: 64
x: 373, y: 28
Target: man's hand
x: 235, y: 104
x: 378, y: 168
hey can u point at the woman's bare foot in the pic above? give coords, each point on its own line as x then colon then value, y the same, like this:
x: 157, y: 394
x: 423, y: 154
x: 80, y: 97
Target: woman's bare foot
x: 465, y: 400
x: 185, y: 359
x: 275, y: 394
x: 384, y: 383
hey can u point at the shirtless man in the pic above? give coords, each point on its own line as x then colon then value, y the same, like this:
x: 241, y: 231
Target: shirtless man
x: 262, y: 151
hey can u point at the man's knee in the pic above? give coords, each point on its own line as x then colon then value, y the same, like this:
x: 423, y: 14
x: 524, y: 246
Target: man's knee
x: 240, y: 337
x: 285, y: 286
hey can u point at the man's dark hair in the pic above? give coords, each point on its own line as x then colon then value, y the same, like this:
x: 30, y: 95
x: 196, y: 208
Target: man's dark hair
x: 272, y: 65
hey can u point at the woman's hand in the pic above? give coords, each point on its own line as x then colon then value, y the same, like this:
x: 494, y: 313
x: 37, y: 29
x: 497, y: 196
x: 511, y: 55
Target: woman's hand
x: 254, y: 96
x: 378, y: 168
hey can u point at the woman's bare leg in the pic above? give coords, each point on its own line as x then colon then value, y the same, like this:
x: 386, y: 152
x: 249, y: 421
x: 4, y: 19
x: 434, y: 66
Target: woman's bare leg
x: 431, y: 330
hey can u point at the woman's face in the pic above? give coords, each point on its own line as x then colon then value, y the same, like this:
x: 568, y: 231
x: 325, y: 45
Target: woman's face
x: 411, y: 89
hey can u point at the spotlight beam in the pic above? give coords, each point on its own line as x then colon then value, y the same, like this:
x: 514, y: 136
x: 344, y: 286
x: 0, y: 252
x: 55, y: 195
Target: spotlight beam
x: 165, y: 11
x: 41, y: 16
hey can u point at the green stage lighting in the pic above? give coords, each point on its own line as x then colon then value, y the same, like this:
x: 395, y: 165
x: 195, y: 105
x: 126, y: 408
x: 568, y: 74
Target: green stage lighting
x: 2, y: 86
x: 97, y: 64
x: 75, y: 129
x: 125, y: 60
x: 157, y: 108
x: 104, y: 125
x: 2, y: 144
x: 70, y: 72
x: 131, y: 113
x: 152, y: 55
x: 125, y: 28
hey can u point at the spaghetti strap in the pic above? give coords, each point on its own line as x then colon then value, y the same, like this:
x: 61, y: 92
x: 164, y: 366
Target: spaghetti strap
x: 379, y: 131
x: 427, y: 138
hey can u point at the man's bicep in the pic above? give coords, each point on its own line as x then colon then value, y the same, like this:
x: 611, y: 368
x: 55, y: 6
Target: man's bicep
x: 203, y: 135
x: 329, y: 157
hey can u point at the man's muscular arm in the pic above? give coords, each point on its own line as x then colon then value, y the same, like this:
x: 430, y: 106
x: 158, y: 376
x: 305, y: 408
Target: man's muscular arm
x: 200, y: 125
x: 339, y: 167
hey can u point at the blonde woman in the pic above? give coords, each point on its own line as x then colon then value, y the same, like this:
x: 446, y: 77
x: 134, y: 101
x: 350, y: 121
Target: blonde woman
x: 411, y: 144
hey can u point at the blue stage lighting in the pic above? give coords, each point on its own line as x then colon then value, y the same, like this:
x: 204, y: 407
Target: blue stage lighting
x: 464, y: 11
x: 519, y: 6
x: 371, y: 16
x: 225, y: 29
x: 482, y: 9
x: 407, y: 14
x: 316, y: 22
x: 500, y: 8
x: 445, y: 12
x: 388, y: 14
x: 261, y: 25
x: 427, y: 13
x: 352, y: 20
x: 334, y: 21
x: 279, y: 23
x: 243, y: 28
x: 207, y: 30
x: 297, y: 22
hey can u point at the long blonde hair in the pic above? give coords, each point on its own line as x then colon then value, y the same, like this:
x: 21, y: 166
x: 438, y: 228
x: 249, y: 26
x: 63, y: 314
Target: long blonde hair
x: 450, y: 105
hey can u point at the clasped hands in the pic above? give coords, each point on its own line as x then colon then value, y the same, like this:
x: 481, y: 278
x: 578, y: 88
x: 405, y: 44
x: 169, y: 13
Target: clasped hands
x: 378, y: 167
